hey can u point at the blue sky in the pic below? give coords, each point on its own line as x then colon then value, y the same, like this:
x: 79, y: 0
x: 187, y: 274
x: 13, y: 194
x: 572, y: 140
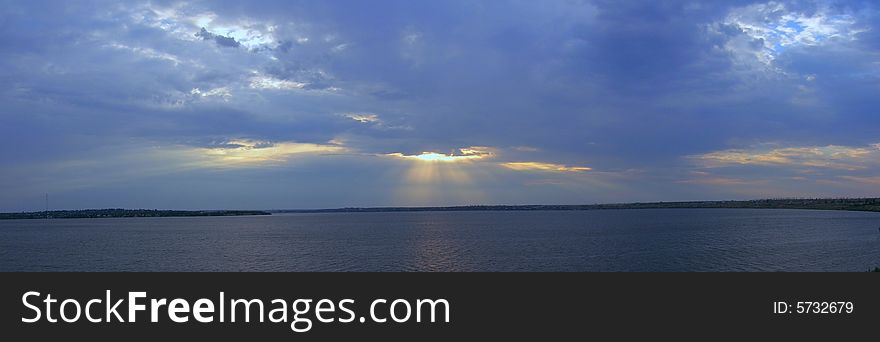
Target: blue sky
x: 287, y: 104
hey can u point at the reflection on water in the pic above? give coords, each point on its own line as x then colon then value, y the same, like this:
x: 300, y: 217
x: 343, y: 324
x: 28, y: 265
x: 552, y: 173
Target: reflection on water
x: 607, y: 240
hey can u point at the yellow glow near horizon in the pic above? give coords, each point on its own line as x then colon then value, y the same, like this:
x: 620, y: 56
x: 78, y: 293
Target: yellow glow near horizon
x: 830, y: 156
x: 432, y: 172
x: 436, y: 178
x: 538, y: 166
x: 244, y: 152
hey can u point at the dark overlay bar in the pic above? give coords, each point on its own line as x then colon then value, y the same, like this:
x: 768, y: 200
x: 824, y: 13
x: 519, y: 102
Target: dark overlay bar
x: 545, y: 306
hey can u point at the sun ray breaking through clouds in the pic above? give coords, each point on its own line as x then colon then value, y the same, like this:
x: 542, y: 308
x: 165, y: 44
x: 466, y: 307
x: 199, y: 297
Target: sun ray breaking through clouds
x: 397, y: 103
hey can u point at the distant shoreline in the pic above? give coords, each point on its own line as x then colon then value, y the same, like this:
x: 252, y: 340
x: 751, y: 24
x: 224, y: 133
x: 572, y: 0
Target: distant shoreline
x: 845, y: 204
x: 108, y: 213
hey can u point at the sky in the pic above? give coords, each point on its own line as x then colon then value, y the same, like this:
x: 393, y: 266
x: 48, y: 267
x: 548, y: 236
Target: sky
x: 322, y: 104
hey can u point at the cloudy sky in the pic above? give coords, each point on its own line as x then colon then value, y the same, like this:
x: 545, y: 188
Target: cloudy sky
x: 285, y: 104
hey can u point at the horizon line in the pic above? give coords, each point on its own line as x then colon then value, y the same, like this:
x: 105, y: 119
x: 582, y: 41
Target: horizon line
x: 473, y: 205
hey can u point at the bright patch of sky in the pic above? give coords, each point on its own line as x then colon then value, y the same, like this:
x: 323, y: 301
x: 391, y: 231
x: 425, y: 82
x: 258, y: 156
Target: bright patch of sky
x: 776, y: 28
x: 281, y: 104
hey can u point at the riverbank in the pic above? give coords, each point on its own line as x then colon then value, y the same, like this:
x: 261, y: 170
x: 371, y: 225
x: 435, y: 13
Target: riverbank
x: 102, y: 213
x: 850, y: 204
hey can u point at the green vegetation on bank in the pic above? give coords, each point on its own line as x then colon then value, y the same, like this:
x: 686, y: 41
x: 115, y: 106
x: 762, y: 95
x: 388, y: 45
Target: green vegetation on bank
x: 99, y: 213
x: 855, y: 204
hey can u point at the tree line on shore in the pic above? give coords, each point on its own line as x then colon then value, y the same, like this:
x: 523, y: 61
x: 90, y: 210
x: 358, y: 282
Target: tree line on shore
x: 98, y: 213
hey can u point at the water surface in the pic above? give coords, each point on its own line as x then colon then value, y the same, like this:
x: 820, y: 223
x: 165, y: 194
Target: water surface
x: 597, y: 240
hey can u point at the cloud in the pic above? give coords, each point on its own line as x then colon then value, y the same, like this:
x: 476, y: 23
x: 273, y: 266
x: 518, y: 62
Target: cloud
x: 767, y: 30
x: 473, y: 153
x: 181, y: 19
x: 526, y: 149
x: 724, y: 181
x: 220, y: 40
x: 249, y: 153
x: 147, y: 53
x: 547, y: 167
x: 830, y: 156
x: 221, y: 92
x: 869, y: 180
x: 483, y: 153
x: 375, y: 122
x: 271, y: 83
x: 551, y: 82
x: 363, y: 117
